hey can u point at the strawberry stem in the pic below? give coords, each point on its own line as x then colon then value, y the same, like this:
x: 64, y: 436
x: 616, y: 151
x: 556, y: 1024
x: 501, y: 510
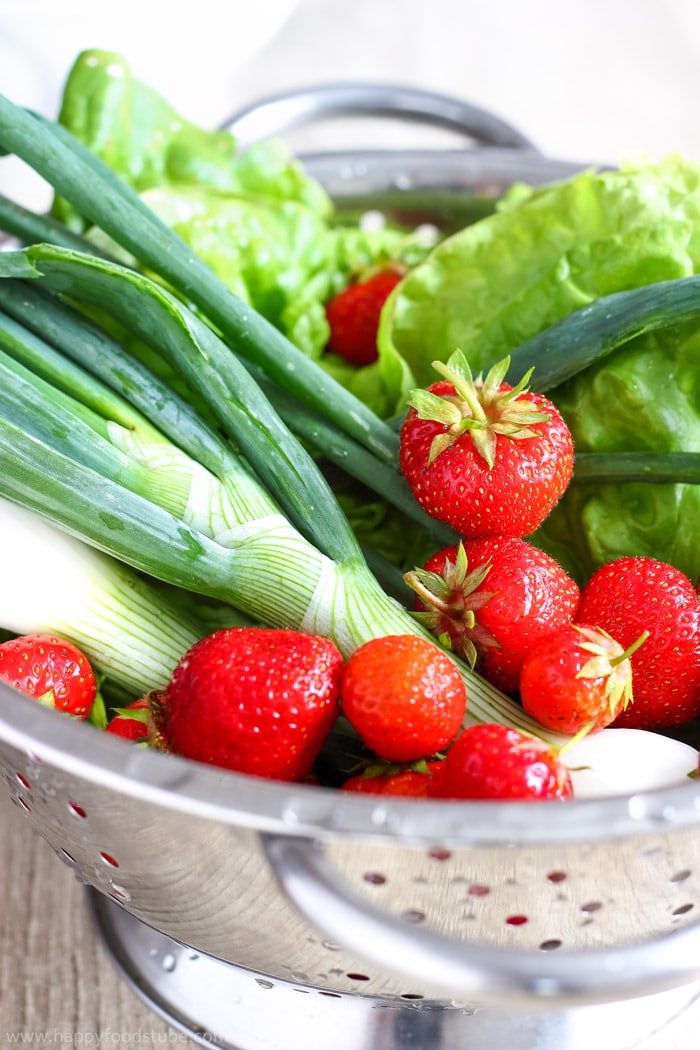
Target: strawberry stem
x: 615, y: 660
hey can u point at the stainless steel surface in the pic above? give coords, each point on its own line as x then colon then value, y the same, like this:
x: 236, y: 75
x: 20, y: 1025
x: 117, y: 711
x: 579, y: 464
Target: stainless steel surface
x: 239, y: 1009
x: 517, y: 977
x: 180, y: 847
x: 280, y: 112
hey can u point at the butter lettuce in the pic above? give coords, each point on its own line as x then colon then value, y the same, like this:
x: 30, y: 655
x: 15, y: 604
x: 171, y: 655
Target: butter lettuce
x: 544, y: 254
x: 263, y: 224
x: 142, y: 138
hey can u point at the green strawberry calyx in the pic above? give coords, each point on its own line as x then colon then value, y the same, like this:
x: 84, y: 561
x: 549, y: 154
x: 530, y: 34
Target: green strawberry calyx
x: 451, y: 600
x: 609, y: 661
x: 381, y: 768
x: 479, y: 406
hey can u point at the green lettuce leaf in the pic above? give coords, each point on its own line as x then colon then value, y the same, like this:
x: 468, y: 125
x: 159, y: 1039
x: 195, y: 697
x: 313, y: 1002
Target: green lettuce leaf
x: 141, y: 137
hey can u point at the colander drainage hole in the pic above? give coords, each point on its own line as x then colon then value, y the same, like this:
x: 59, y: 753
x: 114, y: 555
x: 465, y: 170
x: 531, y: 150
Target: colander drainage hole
x: 682, y: 909
x: 477, y: 890
x: 109, y: 860
x: 77, y: 810
x: 375, y: 878
x: 23, y: 782
x: 357, y: 976
x: 22, y: 803
x: 557, y: 876
x: 681, y: 876
x: 119, y: 894
x: 550, y: 946
x: 591, y: 906
x: 516, y: 920
x: 438, y: 853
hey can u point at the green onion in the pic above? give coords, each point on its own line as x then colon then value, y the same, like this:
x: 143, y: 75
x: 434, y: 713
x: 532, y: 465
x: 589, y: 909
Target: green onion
x: 656, y: 467
x: 28, y: 227
x: 206, y: 363
x: 566, y: 348
x: 82, y: 340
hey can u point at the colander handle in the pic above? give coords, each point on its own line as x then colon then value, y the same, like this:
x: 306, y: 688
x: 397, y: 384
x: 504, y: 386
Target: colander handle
x: 280, y: 112
x: 476, y: 972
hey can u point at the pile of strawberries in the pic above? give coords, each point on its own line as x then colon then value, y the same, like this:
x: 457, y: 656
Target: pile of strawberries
x: 264, y: 702
x: 491, y: 460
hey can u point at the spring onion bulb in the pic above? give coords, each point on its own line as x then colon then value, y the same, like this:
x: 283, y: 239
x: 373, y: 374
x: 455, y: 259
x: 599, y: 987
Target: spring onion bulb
x: 54, y: 583
x: 624, y: 761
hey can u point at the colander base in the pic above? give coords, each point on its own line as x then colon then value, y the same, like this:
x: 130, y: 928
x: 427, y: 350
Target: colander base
x: 218, y: 1004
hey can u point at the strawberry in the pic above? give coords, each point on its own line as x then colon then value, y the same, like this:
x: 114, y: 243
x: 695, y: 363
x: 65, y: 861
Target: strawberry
x: 493, y: 761
x: 131, y: 722
x: 409, y: 782
x: 353, y: 317
x: 403, y: 696
x: 255, y: 700
x: 634, y: 594
x: 140, y: 721
x: 577, y: 677
x: 491, y: 600
x: 52, y: 670
x: 483, y: 456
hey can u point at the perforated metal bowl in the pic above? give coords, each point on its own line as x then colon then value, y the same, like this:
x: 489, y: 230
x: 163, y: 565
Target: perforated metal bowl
x: 501, y: 911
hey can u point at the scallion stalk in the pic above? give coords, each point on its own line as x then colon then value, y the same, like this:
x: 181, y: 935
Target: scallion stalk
x: 206, y: 363
x: 658, y: 468
x: 595, y: 330
x: 29, y: 227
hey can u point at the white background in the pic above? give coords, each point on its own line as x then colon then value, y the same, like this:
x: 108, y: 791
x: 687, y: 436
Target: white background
x: 600, y: 81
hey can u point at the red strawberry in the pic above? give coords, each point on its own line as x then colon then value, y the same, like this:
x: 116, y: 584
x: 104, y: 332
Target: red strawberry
x: 493, y: 599
x: 140, y: 721
x: 635, y: 594
x: 577, y: 677
x: 131, y: 722
x: 50, y: 669
x: 410, y: 783
x: 254, y: 700
x: 404, y: 697
x: 353, y: 316
x: 483, y: 456
x: 497, y: 762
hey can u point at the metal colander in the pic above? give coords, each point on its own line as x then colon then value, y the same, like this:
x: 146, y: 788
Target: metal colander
x: 408, y: 909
